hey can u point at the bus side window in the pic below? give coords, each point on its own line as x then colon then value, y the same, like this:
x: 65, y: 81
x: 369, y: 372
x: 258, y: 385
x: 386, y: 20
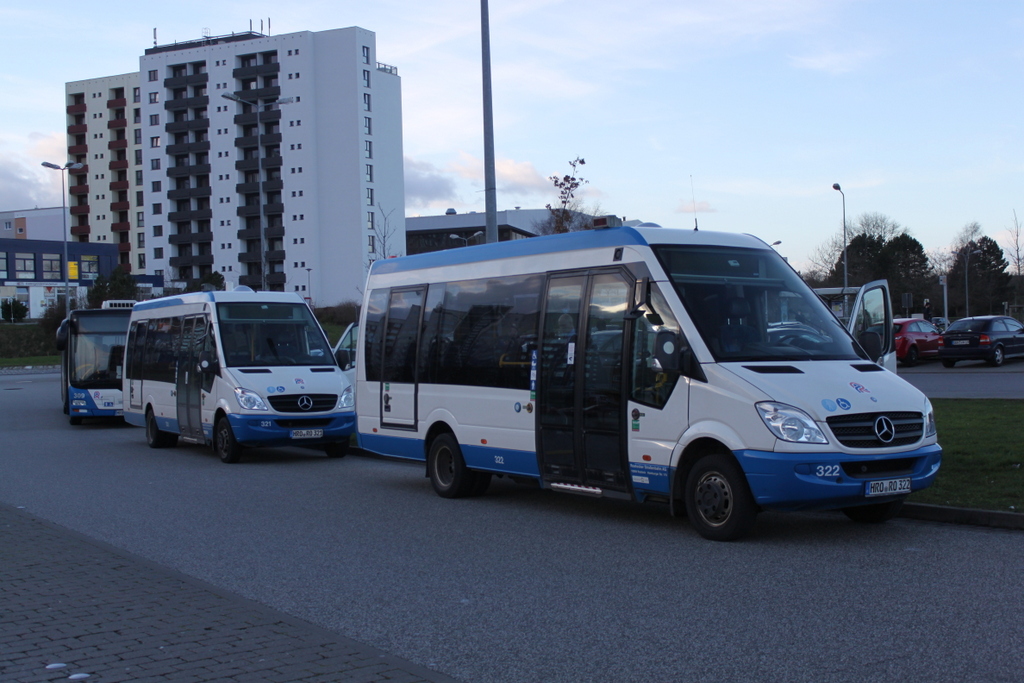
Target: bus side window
x: 652, y: 384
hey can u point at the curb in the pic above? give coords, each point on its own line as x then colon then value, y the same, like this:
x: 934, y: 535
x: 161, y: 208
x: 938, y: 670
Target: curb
x: 951, y: 515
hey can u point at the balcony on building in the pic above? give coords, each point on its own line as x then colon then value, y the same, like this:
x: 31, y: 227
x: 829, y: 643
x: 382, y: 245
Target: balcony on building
x: 78, y: 149
x: 122, y: 226
x: 190, y: 192
x: 186, y: 81
x: 247, y: 164
x: 117, y: 123
x: 186, y: 126
x: 118, y: 165
x: 120, y: 206
x: 117, y: 144
x: 80, y: 229
x: 249, y: 257
x: 194, y: 169
x: 277, y: 278
x: 275, y: 231
x: 80, y: 210
x: 78, y: 189
x: 119, y: 185
x: 248, y: 234
x: 124, y: 246
x: 181, y: 261
x: 77, y: 128
x: 187, y: 102
x: 188, y: 148
x: 256, y: 70
x: 272, y: 162
x: 254, y: 281
x: 77, y: 108
x: 193, y: 215
x: 275, y: 255
x: 249, y: 118
x: 118, y: 103
x: 271, y: 209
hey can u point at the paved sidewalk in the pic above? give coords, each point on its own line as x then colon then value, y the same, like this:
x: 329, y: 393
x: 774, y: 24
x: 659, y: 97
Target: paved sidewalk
x: 72, y: 608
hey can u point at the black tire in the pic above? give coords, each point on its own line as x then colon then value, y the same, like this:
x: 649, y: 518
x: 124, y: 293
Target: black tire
x: 337, y: 449
x: 75, y: 420
x: 997, y: 357
x: 947, y: 363
x: 718, y: 499
x: 447, y: 470
x: 875, y: 513
x: 156, y: 438
x: 910, y: 359
x: 224, y: 443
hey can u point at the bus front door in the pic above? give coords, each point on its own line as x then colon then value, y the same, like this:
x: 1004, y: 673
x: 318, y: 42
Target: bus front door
x: 189, y: 379
x: 581, y: 380
x: 398, y: 372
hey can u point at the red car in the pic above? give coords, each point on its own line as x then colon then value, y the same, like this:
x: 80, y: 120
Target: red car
x: 915, y: 339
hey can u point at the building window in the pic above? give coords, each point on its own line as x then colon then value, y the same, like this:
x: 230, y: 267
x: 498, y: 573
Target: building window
x: 371, y: 244
x: 154, y: 164
x: 369, y: 220
x: 366, y: 54
x: 366, y: 102
x: 158, y: 252
x: 154, y: 119
x: 153, y: 75
x: 25, y: 266
x: 138, y: 136
x: 157, y: 186
x: 142, y: 261
x: 3, y: 265
x: 154, y: 97
x: 141, y: 240
x: 158, y: 231
x: 140, y: 218
x: 154, y: 141
x: 368, y: 148
x: 369, y: 173
x: 369, y: 196
x: 158, y: 209
x: 366, y: 78
x: 136, y: 94
x: 89, y: 267
x: 368, y: 125
x: 51, y: 267
x: 138, y: 157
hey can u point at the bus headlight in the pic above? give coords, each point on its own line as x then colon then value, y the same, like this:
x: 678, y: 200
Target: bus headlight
x: 789, y: 424
x: 929, y: 419
x: 249, y: 400
x: 347, y: 399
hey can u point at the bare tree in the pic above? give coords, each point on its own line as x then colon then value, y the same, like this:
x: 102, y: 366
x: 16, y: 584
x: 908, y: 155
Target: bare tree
x: 566, y: 217
x: 1015, y: 246
x: 383, y: 237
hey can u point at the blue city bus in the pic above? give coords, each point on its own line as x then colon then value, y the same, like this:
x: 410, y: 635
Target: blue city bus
x: 91, y: 342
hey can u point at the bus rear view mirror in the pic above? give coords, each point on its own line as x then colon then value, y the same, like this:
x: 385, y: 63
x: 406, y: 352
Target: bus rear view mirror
x: 872, y: 344
x: 208, y: 363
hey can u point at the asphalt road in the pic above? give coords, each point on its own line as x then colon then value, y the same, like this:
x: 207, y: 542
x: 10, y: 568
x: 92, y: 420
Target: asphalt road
x: 967, y: 379
x: 525, y: 585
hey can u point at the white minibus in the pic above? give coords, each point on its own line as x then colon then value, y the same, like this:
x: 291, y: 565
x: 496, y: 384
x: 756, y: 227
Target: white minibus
x: 685, y: 367
x: 235, y: 369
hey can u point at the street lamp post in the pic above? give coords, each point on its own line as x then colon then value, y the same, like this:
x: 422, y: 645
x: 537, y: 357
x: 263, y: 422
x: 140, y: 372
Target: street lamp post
x: 64, y: 217
x: 309, y: 287
x: 259, y: 183
x: 465, y: 240
x: 967, y: 300
x: 846, y: 280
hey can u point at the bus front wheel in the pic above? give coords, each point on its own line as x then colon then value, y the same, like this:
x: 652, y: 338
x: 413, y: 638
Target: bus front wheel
x: 875, y: 513
x: 718, y: 500
x: 156, y: 438
x: 448, y: 472
x: 224, y: 442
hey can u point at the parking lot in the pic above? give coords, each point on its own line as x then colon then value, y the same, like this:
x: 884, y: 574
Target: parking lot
x: 969, y: 379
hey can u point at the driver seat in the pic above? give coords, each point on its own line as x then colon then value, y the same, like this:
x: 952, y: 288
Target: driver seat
x: 735, y: 334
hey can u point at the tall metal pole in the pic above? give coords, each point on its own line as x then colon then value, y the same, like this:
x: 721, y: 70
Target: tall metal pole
x: 64, y: 217
x: 259, y: 184
x: 846, y: 279
x: 490, y: 191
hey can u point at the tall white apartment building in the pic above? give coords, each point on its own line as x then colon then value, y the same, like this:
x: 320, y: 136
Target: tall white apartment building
x: 104, y: 122
x: 275, y: 161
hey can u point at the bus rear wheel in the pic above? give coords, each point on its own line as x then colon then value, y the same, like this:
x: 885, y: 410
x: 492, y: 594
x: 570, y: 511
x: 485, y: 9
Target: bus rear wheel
x: 448, y: 472
x: 718, y: 500
x: 224, y: 443
x: 156, y: 438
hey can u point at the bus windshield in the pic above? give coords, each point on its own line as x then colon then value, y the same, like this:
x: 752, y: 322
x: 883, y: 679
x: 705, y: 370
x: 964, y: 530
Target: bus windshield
x: 268, y: 334
x: 96, y: 350
x: 749, y: 305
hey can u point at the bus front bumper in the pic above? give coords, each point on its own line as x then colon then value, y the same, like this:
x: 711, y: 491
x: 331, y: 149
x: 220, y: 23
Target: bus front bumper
x: 828, y: 481
x: 277, y: 430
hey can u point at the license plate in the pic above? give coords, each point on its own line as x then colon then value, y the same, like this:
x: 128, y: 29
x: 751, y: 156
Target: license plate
x: 961, y: 342
x: 887, y: 487
x: 307, y: 433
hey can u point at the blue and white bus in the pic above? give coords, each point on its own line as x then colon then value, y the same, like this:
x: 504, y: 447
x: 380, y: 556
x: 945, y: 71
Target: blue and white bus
x: 91, y: 342
x: 234, y: 370
x: 685, y: 367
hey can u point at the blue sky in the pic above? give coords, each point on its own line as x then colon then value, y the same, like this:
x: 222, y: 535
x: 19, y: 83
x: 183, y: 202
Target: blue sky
x: 753, y: 109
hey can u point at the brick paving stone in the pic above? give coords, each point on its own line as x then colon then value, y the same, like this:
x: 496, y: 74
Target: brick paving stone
x: 118, y: 617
